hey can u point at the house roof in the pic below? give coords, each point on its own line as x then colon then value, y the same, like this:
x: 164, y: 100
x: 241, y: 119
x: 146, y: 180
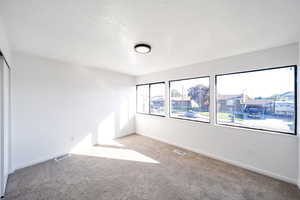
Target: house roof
x: 258, y: 101
x: 228, y: 97
x: 181, y: 99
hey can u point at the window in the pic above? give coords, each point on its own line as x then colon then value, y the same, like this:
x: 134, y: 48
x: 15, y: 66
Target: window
x: 157, y: 99
x: 151, y: 99
x: 142, y: 92
x: 261, y: 99
x: 189, y: 99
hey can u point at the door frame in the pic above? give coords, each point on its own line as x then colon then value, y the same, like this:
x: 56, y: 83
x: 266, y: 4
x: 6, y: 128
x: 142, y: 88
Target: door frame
x: 1, y: 130
x: 5, y: 124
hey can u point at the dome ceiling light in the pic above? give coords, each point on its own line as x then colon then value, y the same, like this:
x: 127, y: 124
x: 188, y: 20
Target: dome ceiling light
x: 142, y: 48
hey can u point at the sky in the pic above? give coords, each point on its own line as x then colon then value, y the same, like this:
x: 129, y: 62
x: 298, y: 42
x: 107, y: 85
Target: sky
x: 264, y: 83
x: 257, y: 84
x: 186, y: 84
x: 158, y: 90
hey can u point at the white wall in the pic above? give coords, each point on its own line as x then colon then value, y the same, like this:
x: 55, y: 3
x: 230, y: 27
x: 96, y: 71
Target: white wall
x: 268, y: 153
x: 58, y: 105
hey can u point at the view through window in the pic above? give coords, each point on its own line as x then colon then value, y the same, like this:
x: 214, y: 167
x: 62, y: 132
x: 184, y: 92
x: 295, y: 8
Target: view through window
x: 142, y: 99
x: 262, y: 99
x: 157, y: 99
x: 189, y: 99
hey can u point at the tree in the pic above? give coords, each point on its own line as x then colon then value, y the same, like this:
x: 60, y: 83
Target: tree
x: 200, y: 94
x: 175, y: 93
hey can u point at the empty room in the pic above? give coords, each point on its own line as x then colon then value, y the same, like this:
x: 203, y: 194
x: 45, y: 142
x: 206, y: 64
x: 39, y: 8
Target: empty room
x: 149, y: 100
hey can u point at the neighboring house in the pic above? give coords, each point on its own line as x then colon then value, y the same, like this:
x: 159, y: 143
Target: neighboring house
x: 284, y: 108
x: 157, y: 102
x: 230, y: 103
x: 179, y: 103
x: 267, y: 105
x: 282, y: 104
x: 288, y: 96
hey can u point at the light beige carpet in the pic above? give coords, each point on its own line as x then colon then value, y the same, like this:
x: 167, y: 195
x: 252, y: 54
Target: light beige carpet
x: 138, y: 168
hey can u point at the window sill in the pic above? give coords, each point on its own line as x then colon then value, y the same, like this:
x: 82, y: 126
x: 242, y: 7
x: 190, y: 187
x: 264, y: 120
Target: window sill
x: 190, y: 120
x: 151, y: 114
x: 256, y: 130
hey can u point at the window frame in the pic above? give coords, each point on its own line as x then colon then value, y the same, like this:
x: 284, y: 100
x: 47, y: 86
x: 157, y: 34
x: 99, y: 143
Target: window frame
x: 259, y: 129
x: 164, y: 99
x: 193, y: 120
x: 149, y: 88
x: 136, y: 101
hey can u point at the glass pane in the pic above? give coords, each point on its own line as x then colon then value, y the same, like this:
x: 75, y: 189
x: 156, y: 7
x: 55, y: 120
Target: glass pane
x: 261, y: 99
x: 189, y: 99
x: 143, y: 99
x: 157, y: 99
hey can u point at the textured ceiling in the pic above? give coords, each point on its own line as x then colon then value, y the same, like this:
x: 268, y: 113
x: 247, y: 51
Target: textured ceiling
x: 102, y: 33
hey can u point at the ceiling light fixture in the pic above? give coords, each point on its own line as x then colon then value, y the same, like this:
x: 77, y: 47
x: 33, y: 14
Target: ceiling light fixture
x: 142, y: 48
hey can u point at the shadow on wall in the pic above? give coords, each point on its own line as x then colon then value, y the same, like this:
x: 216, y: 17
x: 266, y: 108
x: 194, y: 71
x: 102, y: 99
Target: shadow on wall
x: 110, y: 127
x: 101, y: 143
x: 104, y: 118
x: 57, y: 107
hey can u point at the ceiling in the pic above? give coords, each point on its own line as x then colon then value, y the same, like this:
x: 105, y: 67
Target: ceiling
x: 102, y: 33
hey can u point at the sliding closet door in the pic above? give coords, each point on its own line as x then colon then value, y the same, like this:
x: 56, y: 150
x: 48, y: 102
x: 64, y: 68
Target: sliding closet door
x: 1, y: 130
x: 4, y: 123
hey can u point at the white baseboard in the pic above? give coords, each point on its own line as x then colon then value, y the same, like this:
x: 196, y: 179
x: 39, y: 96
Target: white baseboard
x: 46, y: 158
x: 39, y: 160
x: 236, y: 163
x: 232, y: 162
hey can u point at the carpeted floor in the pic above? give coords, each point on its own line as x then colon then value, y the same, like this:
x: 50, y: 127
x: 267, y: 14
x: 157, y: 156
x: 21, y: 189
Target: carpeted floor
x: 139, y: 168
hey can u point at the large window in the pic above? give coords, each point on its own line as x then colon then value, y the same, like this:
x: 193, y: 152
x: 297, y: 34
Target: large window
x: 142, y: 92
x: 157, y: 99
x: 262, y: 99
x: 151, y: 98
x: 189, y: 99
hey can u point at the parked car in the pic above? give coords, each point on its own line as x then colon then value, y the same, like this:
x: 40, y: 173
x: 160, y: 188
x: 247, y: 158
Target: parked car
x: 190, y: 114
x: 254, y: 111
